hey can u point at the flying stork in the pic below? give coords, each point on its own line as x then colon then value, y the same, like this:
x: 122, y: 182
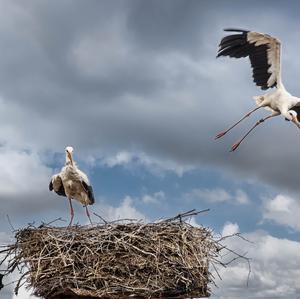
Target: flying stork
x: 264, y: 52
x: 72, y: 183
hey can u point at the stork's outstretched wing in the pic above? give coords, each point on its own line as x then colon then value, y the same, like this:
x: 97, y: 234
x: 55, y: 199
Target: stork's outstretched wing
x: 263, y: 51
x: 56, y: 184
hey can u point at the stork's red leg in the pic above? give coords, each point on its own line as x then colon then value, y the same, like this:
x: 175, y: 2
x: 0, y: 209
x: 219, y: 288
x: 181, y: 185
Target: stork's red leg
x: 221, y: 134
x: 237, y: 144
x: 71, y: 211
x: 88, y: 214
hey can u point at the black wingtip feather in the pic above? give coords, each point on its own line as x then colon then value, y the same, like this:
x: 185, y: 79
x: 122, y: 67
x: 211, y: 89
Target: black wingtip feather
x: 89, y: 190
x: 236, y: 30
x: 91, y: 195
x: 60, y: 191
x: 237, y: 46
x: 1, y: 284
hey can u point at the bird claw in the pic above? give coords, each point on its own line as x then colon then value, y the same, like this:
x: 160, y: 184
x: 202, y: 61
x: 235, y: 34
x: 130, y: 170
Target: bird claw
x: 235, y: 146
x: 220, y: 135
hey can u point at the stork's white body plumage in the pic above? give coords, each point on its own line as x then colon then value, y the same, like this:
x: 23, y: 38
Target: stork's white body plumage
x: 278, y: 101
x: 264, y: 52
x: 73, y: 183
x: 73, y: 179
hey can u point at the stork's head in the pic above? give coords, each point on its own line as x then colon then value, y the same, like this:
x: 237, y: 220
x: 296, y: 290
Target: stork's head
x: 69, y: 151
x: 294, y: 115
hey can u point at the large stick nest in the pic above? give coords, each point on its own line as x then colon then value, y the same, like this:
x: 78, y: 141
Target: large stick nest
x: 169, y: 258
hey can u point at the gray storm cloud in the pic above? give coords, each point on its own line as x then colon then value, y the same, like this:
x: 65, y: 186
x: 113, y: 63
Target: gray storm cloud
x: 132, y: 75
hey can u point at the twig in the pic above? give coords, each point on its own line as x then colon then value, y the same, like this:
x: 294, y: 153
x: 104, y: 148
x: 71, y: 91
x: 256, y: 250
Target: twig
x: 187, y: 214
x: 51, y: 222
x: 234, y: 235
x: 100, y: 217
x: 11, y: 226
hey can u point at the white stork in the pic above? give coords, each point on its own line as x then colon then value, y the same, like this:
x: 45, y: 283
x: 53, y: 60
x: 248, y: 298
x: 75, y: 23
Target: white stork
x: 73, y: 183
x: 264, y: 52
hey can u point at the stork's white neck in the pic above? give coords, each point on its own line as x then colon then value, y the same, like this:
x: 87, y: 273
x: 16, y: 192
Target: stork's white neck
x: 68, y: 161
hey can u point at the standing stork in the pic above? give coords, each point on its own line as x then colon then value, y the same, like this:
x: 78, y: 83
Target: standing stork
x: 73, y: 183
x: 264, y: 52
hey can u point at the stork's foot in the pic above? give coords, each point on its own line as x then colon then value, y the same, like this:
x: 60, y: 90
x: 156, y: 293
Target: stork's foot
x: 235, y: 146
x: 220, y: 135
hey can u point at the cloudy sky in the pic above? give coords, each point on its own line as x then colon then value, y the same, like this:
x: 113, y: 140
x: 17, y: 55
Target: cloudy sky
x: 135, y: 88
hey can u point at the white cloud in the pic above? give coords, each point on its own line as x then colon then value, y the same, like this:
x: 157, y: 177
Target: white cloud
x: 22, y: 173
x: 120, y: 158
x: 5, y: 238
x: 7, y: 291
x: 274, y: 267
x: 230, y: 229
x: 24, y: 184
x: 155, y: 198
x: 126, y: 210
x: 194, y: 222
x: 283, y: 210
x: 241, y: 197
x: 218, y: 195
x: 24, y: 294
x: 155, y: 165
